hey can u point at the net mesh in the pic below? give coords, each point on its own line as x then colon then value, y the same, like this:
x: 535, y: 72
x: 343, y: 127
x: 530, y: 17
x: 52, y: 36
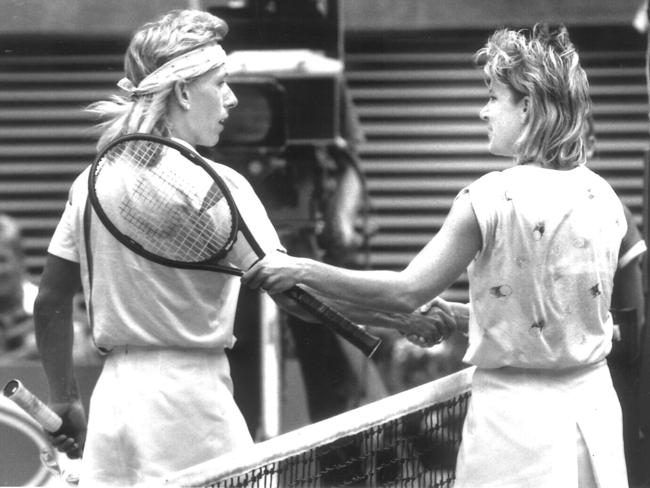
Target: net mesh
x: 407, y: 440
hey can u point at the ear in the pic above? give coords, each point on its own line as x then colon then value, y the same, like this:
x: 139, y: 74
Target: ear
x: 525, y: 107
x: 181, y: 93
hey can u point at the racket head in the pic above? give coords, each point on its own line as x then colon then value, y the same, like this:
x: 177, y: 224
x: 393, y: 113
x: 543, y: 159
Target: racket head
x: 163, y: 201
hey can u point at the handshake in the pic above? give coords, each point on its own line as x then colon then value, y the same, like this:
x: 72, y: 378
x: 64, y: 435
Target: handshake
x: 435, y: 321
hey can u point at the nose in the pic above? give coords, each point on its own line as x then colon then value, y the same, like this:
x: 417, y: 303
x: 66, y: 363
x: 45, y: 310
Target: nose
x: 230, y: 100
x: 483, y: 113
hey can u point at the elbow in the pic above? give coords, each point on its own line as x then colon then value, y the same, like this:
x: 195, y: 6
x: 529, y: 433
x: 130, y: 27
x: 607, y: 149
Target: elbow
x: 51, y: 312
x: 43, y: 307
x: 47, y: 304
x: 406, y: 303
x: 45, y: 299
x: 41, y: 303
x: 399, y: 294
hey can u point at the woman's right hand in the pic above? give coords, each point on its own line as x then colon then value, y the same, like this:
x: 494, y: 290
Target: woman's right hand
x: 442, y: 313
x: 275, y: 273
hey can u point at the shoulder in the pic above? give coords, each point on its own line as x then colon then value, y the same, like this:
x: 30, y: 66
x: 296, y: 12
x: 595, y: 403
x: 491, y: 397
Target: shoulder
x: 489, y: 188
x: 234, y: 179
x: 512, y: 177
x: 596, y: 182
x: 79, y: 190
x: 599, y: 187
x: 492, y: 177
x: 486, y: 196
x: 489, y: 182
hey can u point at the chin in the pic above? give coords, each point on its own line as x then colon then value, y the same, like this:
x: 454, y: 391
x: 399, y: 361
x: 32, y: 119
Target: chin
x: 492, y: 150
x: 209, y: 142
x: 499, y: 151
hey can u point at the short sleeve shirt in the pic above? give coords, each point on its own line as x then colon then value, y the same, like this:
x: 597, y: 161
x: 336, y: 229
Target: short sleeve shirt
x: 141, y: 303
x: 540, y: 287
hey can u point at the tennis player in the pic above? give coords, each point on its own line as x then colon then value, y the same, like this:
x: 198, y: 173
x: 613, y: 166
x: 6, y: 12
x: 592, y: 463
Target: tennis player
x: 164, y: 400
x: 540, y: 242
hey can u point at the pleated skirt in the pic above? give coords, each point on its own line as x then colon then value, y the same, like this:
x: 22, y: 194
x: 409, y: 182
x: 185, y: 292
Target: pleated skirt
x: 542, y: 429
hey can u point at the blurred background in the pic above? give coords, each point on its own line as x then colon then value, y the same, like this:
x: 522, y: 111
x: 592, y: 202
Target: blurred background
x: 357, y: 156
x: 409, y: 68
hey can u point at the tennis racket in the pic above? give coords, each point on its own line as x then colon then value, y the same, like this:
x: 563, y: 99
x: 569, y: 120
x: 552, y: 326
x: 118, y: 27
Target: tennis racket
x: 32, y: 405
x: 165, y: 202
x: 66, y: 469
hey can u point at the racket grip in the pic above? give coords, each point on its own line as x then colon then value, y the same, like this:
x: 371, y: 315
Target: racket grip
x: 340, y: 324
x: 30, y: 403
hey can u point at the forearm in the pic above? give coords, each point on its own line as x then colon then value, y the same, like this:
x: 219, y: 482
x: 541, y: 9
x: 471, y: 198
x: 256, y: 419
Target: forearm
x: 360, y: 315
x: 433, y: 269
x: 430, y: 328
x: 400, y: 322
x: 54, y: 338
x: 377, y: 290
x: 53, y: 323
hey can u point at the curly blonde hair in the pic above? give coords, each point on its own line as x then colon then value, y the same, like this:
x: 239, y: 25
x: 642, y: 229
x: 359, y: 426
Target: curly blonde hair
x: 155, y: 43
x: 542, y: 64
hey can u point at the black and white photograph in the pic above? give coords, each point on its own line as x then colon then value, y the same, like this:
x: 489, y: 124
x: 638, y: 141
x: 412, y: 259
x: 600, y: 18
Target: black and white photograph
x: 324, y: 243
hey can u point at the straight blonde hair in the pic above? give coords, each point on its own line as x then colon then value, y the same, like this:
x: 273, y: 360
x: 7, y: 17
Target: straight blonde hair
x: 155, y: 43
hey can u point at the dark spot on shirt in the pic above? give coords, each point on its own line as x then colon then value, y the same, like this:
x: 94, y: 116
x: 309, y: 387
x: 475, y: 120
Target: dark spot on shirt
x: 540, y: 324
x: 595, y: 290
x: 500, y: 291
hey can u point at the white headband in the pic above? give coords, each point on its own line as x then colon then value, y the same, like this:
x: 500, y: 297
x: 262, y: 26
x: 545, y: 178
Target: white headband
x: 188, y: 65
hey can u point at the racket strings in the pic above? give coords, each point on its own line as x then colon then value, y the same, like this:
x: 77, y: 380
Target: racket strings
x: 163, y: 201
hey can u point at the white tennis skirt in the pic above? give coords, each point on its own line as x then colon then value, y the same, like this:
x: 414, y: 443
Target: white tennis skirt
x: 157, y: 411
x: 521, y: 426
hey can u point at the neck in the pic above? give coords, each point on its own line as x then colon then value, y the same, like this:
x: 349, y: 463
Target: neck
x: 179, y: 124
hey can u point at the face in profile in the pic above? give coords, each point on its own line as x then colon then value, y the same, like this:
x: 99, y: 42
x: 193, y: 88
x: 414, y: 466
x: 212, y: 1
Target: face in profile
x: 211, y: 100
x: 505, y: 115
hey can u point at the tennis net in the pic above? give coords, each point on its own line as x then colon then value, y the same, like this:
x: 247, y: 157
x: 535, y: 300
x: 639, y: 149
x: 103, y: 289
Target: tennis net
x: 406, y: 440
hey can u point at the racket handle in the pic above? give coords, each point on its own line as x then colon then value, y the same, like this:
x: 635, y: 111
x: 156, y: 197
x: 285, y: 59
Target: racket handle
x: 347, y: 329
x: 30, y: 403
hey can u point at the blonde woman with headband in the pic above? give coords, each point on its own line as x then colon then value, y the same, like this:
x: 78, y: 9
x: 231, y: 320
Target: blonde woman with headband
x: 540, y: 243
x: 164, y: 399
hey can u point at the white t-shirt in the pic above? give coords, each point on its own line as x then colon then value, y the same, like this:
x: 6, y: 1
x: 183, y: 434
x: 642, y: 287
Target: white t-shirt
x: 141, y: 303
x: 540, y: 288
